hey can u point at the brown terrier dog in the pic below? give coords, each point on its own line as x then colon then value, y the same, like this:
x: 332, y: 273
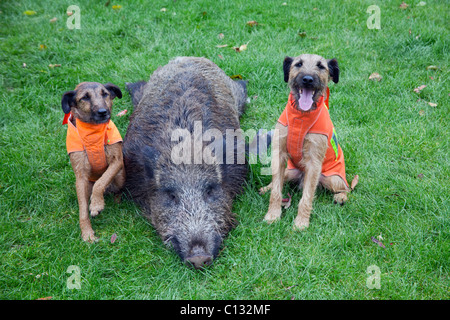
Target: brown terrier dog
x: 94, y: 146
x: 305, y: 138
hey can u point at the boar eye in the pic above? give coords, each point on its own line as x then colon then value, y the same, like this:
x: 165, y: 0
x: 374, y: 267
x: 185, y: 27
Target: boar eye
x: 210, y: 190
x: 170, y: 195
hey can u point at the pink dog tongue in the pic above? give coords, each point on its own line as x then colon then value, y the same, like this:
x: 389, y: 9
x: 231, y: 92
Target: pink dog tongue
x: 306, y: 99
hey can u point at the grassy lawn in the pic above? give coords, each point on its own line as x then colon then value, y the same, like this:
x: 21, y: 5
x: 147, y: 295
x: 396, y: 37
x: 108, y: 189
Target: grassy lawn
x: 392, y: 137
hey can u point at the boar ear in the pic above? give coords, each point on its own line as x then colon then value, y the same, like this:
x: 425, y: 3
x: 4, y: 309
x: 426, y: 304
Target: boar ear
x: 68, y: 101
x: 113, y: 90
x: 149, y: 159
x: 287, y: 67
x: 333, y: 69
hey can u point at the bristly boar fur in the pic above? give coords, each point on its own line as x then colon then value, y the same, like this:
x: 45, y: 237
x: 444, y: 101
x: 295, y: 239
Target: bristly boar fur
x: 188, y: 204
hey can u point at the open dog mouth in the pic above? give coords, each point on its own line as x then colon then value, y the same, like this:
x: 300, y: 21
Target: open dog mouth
x: 306, y: 98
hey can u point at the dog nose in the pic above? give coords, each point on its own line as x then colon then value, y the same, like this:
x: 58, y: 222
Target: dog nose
x: 102, y: 112
x: 307, y: 80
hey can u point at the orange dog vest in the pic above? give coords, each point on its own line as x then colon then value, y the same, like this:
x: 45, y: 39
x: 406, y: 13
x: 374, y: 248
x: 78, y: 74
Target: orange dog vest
x: 300, y: 123
x: 92, y: 138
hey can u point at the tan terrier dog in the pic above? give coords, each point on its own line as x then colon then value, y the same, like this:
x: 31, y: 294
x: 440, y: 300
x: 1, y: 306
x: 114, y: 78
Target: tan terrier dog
x: 94, y: 146
x: 305, y: 138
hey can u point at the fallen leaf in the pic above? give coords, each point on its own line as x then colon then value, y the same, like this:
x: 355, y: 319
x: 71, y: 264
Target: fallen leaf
x: 221, y: 46
x: 404, y: 5
x: 45, y: 298
x: 302, y: 34
x: 432, y: 68
x: 29, y: 12
x: 220, y: 56
x: 432, y: 104
x: 421, y: 113
x: 420, y: 88
x: 378, y: 242
x: 117, y: 7
x: 286, y: 202
x: 42, y: 47
x: 54, y: 65
x: 421, y: 4
x: 163, y: 10
x: 252, y: 23
x: 113, y: 238
x: 122, y: 113
x: 220, y: 36
x: 375, y: 76
x: 53, y: 20
x: 236, y: 76
x: 243, y: 47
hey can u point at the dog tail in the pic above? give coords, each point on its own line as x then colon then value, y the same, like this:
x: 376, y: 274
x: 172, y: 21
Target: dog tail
x: 136, y: 90
x: 354, y: 182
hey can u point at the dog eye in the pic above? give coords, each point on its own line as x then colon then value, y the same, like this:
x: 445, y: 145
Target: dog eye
x: 105, y: 94
x: 320, y: 66
x: 85, y: 97
x: 299, y: 65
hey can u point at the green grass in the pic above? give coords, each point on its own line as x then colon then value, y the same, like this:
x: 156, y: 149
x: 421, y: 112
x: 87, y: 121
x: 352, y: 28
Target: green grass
x: 392, y: 138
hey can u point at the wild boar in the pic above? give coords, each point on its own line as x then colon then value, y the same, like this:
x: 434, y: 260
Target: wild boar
x: 176, y: 154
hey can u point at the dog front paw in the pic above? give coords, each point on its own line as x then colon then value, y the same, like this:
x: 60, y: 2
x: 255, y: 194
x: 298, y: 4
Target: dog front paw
x: 88, y: 236
x: 97, y: 205
x: 301, y: 223
x: 272, y: 215
x: 340, y: 198
x: 263, y: 190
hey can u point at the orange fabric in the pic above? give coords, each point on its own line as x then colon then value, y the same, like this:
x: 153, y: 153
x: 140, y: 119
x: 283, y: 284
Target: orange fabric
x: 92, y: 138
x: 300, y: 123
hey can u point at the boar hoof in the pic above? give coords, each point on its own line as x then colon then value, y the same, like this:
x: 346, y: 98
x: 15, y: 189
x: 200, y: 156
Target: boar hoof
x: 199, y: 261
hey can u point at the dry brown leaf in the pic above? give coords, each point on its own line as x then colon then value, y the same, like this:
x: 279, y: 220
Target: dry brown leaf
x: 420, y: 88
x: 53, y: 20
x: 432, y: 104
x: 54, y: 65
x: 375, y: 76
x: 243, y: 47
x: 432, y: 68
x: 252, y: 23
x: 404, y: 5
x: 236, y: 76
x: 122, y: 113
x: 222, y: 46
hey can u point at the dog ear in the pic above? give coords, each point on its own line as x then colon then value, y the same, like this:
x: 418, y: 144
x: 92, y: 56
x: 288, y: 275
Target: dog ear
x: 113, y: 90
x: 333, y: 68
x: 68, y: 101
x: 286, y: 67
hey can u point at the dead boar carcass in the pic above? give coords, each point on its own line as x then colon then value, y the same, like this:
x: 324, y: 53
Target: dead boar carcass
x: 177, y: 160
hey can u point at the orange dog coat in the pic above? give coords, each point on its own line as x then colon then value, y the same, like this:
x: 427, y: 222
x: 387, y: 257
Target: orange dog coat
x: 91, y: 138
x: 300, y: 123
